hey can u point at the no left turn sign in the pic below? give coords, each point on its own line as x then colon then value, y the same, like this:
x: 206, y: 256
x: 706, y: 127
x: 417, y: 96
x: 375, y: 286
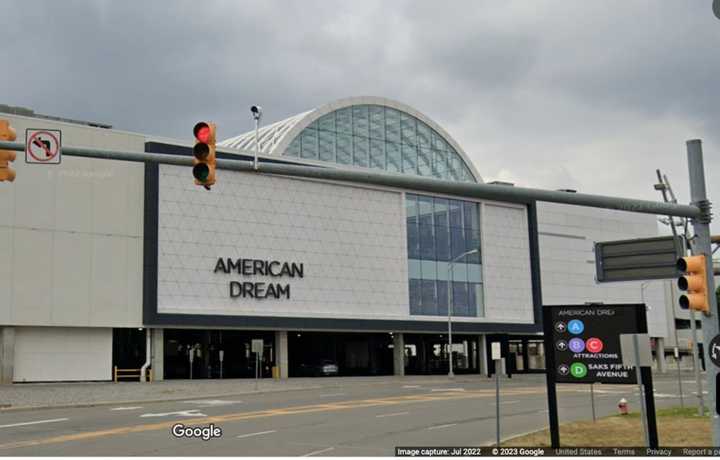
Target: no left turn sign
x: 43, y: 146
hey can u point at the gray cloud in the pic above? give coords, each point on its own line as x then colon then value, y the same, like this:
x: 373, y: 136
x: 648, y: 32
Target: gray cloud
x: 561, y: 94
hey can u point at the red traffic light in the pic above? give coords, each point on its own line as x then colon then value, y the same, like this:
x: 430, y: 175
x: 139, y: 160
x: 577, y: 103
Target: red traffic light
x: 202, y: 132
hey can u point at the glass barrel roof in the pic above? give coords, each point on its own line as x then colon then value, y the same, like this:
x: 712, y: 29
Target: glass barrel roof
x: 379, y: 137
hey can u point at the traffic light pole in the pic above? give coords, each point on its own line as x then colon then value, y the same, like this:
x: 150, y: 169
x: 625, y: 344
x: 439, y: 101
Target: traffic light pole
x: 702, y: 246
x: 403, y: 181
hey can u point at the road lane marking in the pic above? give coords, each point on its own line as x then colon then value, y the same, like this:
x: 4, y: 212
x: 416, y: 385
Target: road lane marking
x: 127, y: 408
x: 212, y: 402
x: 34, y: 423
x: 341, y: 405
x: 411, y: 386
x: 437, y: 427
x: 394, y: 414
x: 448, y: 389
x: 180, y: 413
x: 330, y: 395
x: 318, y: 452
x: 259, y: 433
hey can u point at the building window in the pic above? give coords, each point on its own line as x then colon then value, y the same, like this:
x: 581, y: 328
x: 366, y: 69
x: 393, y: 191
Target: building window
x: 374, y: 136
x: 440, y: 230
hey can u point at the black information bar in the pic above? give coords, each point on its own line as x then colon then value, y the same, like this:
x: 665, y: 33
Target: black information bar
x: 418, y: 451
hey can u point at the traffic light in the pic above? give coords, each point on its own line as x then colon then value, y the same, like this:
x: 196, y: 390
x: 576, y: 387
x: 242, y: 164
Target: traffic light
x: 7, y: 133
x: 694, y: 281
x: 204, y: 152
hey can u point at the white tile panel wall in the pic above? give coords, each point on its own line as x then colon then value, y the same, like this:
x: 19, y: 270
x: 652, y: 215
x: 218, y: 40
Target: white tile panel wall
x: 45, y: 354
x: 71, y: 234
x: 506, y: 263
x: 351, y: 241
x: 567, y: 235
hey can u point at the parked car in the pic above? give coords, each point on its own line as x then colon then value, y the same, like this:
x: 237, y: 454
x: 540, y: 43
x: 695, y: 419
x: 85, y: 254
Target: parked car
x: 326, y: 367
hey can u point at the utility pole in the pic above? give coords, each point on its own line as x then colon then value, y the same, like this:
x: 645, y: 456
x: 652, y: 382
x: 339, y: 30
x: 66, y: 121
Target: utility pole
x: 665, y: 188
x: 702, y: 246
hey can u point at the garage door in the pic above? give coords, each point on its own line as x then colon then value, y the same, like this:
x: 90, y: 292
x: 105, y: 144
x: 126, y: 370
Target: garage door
x: 47, y: 354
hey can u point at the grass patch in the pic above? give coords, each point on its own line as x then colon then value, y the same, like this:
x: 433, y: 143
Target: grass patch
x: 676, y: 427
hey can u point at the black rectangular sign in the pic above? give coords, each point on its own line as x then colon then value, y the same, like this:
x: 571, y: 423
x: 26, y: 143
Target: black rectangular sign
x: 637, y: 259
x: 586, y: 341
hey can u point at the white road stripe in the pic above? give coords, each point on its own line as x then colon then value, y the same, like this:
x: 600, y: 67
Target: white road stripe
x: 411, y: 386
x: 392, y: 415
x: 437, y: 427
x: 257, y: 434
x: 318, y: 452
x: 448, y: 389
x: 127, y: 408
x: 35, y: 422
x: 331, y: 395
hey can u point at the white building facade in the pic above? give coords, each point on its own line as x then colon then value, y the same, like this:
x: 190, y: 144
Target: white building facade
x: 100, y: 255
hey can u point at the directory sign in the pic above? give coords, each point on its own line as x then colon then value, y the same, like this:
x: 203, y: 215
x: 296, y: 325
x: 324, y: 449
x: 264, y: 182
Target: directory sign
x: 586, y: 342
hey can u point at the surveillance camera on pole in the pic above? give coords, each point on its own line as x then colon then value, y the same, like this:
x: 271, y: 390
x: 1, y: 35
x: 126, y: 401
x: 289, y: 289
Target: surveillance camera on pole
x: 256, y: 111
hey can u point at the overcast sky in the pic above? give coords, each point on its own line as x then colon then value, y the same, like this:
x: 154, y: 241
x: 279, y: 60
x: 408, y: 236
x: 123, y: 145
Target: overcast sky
x: 591, y: 95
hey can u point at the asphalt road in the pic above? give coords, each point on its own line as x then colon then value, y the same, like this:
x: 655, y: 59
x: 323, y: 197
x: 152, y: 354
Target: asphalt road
x: 356, y: 420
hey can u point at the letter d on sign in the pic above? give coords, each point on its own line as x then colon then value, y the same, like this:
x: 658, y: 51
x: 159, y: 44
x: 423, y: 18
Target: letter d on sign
x: 235, y: 289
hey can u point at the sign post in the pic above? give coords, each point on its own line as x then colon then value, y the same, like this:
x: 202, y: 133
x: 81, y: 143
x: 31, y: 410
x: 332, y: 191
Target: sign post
x: 257, y: 348
x: 496, y: 352
x: 222, y: 356
x: 583, y: 344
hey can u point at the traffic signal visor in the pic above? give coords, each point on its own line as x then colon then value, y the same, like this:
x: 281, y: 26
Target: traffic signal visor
x: 694, y: 281
x: 7, y: 133
x: 204, y: 153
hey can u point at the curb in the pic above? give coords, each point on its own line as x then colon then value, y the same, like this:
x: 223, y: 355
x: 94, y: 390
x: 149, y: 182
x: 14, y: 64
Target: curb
x: 139, y: 401
x: 10, y: 408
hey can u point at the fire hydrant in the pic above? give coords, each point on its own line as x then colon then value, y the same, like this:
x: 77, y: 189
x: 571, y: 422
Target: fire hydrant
x: 623, y: 406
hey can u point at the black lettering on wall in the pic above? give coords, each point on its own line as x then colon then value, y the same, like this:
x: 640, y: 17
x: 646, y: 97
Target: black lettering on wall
x: 270, y: 268
x: 235, y: 289
x: 220, y: 266
x: 233, y: 265
x: 297, y: 270
x: 249, y: 289
x: 259, y: 267
x: 260, y: 290
x: 247, y: 267
x: 283, y: 290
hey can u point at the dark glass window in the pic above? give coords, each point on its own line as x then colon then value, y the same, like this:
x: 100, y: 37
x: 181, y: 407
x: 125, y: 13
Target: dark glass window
x: 407, y: 126
x: 377, y: 122
x: 377, y: 154
x: 415, y: 296
x: 310, y: 144
x: 326, y: 146
x: 392, y: 125
x: 410, y: 161
x: 460, y: 299
x: 343, y: 120
x: 394, y: 159
x: 343, y: 149
x: 440, y: 230
x: 360, y: 151
x: 360, y: 121
x: 327, y: 122
x: 429, y: 299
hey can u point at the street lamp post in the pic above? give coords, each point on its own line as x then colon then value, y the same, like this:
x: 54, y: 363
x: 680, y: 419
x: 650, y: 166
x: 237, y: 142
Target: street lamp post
x: 256, y: 111
x: 450, y: 306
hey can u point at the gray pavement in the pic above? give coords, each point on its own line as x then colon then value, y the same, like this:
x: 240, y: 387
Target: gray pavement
x: 342, y: 417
